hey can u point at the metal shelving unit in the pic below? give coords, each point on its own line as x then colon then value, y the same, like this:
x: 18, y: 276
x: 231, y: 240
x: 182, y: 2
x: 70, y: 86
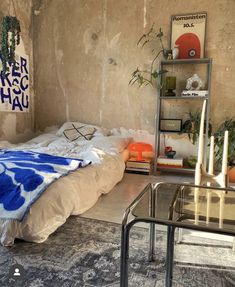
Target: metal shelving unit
x: 161, y: 97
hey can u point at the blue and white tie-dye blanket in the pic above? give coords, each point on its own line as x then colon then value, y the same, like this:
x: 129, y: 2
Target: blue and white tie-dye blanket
x: 24, y: 175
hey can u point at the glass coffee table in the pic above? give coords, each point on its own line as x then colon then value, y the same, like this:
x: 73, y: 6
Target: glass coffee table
x: 201, y: 208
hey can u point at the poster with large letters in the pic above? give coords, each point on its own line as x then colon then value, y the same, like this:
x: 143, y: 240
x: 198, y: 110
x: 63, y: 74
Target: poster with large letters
x: 188, y: 33
x: 14, y: 86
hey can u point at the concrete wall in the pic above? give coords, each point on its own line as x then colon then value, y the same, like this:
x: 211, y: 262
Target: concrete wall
x: 17, y: 127
x: 85, y: 52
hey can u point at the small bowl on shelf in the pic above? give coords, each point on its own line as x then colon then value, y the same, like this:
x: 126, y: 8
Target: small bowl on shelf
x: 170, y: 154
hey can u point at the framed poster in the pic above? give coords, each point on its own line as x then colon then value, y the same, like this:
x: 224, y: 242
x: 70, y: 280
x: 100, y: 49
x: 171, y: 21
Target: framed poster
x: 188, y: 33
x: 14, y: 86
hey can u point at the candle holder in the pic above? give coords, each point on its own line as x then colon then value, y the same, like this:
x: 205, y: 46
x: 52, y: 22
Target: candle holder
x: 170, y: 86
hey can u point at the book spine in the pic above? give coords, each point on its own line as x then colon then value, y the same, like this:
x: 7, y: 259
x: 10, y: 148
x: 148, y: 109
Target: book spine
x: 139, y: 168
x: 130, y: 164
x: 172, y: 162
x: 138, y: 172
x: 194, y: 93
x: 170, y: 165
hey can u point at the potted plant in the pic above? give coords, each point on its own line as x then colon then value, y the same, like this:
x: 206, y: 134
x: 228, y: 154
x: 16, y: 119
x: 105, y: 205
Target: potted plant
x: 227, y: 125
x: 149, y: 77
x: 192, y: 126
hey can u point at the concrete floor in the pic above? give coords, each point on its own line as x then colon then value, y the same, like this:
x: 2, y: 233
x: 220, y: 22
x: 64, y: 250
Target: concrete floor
x: 110, y: 207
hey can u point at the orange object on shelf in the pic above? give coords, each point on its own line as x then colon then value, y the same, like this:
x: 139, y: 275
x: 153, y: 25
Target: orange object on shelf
x: 140, y: 147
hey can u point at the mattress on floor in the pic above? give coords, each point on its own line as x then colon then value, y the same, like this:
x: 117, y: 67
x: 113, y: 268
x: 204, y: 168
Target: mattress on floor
x: 72, y: 194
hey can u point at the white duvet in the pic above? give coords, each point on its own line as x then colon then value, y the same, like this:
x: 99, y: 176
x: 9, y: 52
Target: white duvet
x: 72, y: 194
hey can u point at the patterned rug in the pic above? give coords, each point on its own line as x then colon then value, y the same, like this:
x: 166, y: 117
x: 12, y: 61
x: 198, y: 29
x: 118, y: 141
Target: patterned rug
x: 86, y: 252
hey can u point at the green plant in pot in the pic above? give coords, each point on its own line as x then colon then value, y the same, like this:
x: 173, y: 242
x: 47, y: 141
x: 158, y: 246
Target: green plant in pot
x: 149, y: 77
x: 227, y: 125
x: 192, y: 126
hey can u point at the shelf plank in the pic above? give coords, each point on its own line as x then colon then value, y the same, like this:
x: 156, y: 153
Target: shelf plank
x: 171, y: 132
x: 174, y: 132
x: 176, y: 169
x: 187, y: 61
x: 184, y: 98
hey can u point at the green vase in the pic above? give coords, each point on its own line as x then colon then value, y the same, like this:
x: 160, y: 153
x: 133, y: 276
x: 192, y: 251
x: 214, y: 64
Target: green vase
x: 170, y: 86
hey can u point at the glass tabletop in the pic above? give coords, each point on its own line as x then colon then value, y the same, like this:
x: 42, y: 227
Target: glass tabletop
x: 203, y: 208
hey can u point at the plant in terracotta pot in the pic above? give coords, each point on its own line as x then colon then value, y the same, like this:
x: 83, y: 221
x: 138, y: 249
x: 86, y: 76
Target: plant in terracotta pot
x: 227, y: 125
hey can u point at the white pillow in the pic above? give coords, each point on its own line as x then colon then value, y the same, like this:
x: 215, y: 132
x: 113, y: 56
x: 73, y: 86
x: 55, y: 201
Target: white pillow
x: 76, y: 132
x: 69, y: 125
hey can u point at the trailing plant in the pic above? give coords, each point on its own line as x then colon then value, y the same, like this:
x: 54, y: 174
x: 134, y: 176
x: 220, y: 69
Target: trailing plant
x: 192, y: 126
x: 149, y: 77
x: 227, y: 125
x: 9, y: 41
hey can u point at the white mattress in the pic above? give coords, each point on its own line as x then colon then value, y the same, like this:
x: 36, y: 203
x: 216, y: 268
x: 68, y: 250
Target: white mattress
x: 72, y: 194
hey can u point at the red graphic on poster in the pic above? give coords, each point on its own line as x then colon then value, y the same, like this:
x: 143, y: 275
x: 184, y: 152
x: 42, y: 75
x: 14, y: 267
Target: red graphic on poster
x: 189, y: 46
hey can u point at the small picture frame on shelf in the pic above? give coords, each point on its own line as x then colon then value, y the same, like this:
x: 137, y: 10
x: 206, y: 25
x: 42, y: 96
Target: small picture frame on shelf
x: 170, y: 125
x: 188, y: 32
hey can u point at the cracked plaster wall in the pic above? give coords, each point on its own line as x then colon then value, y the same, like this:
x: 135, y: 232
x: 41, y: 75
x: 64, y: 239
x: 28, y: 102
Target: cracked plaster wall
x: 85, y: 52
x: 18, y: 127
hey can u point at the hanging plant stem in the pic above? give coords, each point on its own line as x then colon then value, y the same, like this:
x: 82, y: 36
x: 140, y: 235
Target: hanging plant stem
x: 152, y: 75
x: 11, y: 25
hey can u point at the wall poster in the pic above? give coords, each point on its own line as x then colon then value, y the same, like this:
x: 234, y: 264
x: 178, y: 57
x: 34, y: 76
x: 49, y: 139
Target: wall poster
x: 14, y: 87
x: 188, y: 33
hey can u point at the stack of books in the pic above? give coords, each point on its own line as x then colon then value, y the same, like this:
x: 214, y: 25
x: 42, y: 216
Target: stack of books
x: 194, y: 93
x: 169, y: 162
x: 143, y: 167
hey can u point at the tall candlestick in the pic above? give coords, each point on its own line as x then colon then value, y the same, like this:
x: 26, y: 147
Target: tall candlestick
x: 201, y: 134
x: 211, y: 158
x: 225, y: 154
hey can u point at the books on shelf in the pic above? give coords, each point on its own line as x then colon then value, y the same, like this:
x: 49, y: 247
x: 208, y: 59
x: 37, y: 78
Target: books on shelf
x: 134, y: 166
x: 170, y: 162
x: 194, y: 93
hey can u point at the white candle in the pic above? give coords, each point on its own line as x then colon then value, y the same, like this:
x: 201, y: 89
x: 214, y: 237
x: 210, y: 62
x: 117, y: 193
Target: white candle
x: 211, y: 158
x: 225, y: 154
x: 201, y: 134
